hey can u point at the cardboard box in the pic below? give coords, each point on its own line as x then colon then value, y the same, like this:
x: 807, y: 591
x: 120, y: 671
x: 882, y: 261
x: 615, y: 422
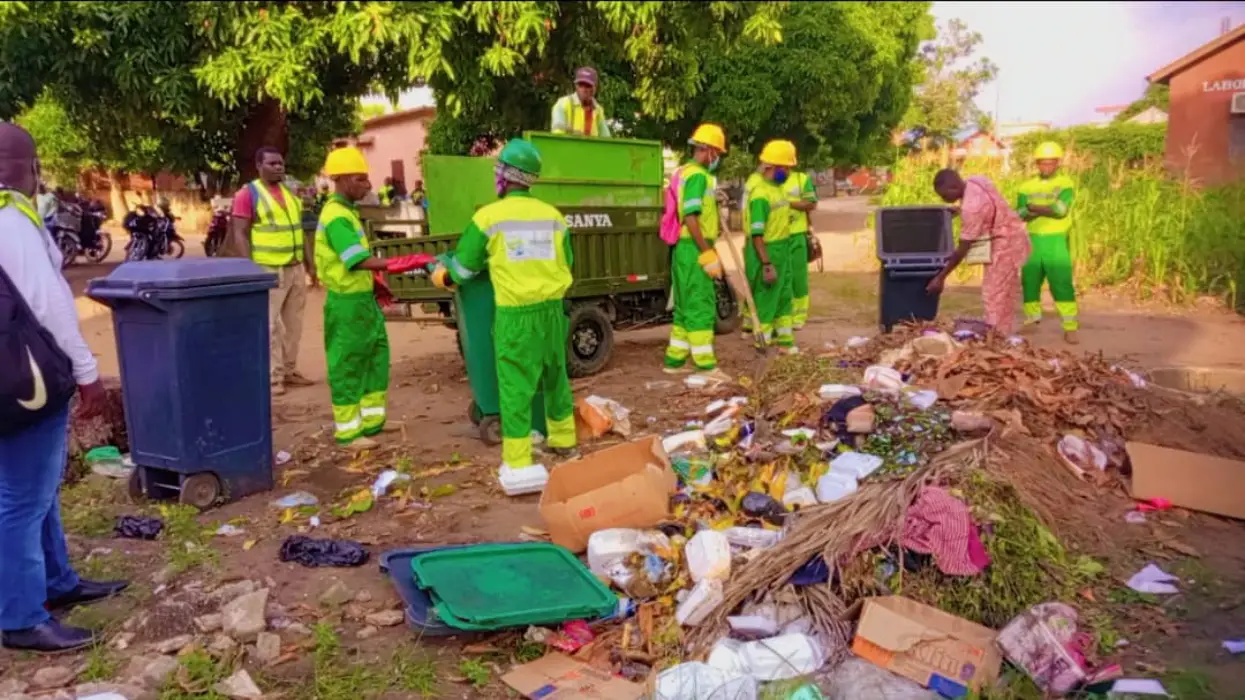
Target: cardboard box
x: 1188, y: 479
x: 628, y: 485
x: 942, y: 652
x: 559, y: 677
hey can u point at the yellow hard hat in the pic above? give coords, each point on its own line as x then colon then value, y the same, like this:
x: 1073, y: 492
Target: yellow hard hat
x: 779, y: 152
x: 709, y: 135
x: 1048, y: 150
x: 345, y: 161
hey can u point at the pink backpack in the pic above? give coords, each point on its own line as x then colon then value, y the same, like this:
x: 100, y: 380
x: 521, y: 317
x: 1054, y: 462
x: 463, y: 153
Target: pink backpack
x: 671, y: 224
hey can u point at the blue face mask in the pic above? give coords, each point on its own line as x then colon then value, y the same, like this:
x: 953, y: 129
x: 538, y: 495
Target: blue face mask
x: 713, y: 164
x: 779, y: 176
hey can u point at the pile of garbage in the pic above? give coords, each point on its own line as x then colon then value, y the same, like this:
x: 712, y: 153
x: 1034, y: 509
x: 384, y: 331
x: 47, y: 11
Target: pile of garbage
x: 800, y: 504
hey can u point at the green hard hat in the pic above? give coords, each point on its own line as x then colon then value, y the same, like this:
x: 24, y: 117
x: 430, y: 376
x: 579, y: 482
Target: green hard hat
x: 521, y: 154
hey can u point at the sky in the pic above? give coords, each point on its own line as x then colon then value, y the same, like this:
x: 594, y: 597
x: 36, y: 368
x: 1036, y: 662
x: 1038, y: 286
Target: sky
x: 1059, y: 60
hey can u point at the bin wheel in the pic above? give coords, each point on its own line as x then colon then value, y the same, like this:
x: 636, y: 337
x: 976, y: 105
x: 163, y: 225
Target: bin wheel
x: 474, y: 413
x: 135, y: 486
x: 590, y: 341
x: 200, y: 491
x: 729, y: 319
x: 490, y: 430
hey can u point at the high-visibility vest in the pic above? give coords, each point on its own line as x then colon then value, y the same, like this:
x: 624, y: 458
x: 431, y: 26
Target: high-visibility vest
x: 795, y: 193
x: 572, y: 114
x: 385, y: 195
x: 708, y: 206
x: 23, y: 204
x: 330, y: 268
x: 277, y: 232
x: 778, y: 223
x: 527, y: 240
x: 1045, y: 192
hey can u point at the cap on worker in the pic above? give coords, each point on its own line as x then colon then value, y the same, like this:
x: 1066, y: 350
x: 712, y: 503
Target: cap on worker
x: 347, y: 160
x: 521, y: 155
x: 1048, y: 150
x: 709, y: 135
x: 586, y: 75
x: 779, y: 152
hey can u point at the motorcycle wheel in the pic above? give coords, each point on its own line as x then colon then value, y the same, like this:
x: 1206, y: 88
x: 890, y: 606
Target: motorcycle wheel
x: 138, y: 249
x: 68, y: 245
x: 102, y: 248
x: 176, y: 249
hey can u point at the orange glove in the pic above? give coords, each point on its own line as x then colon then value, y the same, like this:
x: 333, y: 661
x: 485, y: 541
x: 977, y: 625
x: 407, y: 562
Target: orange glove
x: 710, y: 263
x: 441, y: 278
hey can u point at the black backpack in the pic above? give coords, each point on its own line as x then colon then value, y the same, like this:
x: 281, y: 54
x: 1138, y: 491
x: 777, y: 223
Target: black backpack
x: 38, y: 380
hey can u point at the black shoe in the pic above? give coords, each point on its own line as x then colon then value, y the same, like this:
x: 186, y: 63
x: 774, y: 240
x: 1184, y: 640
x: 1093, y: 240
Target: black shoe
x: 87, y: 592
x: 51, y: 637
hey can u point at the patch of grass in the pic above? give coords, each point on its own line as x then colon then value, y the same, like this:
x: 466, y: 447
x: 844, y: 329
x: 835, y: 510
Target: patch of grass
x: 104, y: 567
x: 90, y: 507
x: 414, y: 673
x: 101, y: 665
x: 526, y: 651
x: 195, y: 680
x: 1029, y: 565
x: 1188, y: 684
x: 187, y: 543
x: 335, y: 676
x: 475, y: 672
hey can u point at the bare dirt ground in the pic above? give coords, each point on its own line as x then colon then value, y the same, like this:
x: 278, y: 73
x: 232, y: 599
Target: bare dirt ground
x: 455, y: 498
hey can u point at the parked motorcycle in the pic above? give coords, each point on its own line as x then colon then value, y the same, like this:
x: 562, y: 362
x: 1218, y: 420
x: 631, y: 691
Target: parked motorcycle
x: 153, y: 235
x: 217, y: 231
x: 77, y: 229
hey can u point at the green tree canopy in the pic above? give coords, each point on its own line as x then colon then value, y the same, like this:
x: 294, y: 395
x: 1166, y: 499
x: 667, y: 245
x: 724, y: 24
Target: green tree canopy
x: 1155, y: 95
x: 945, y: 101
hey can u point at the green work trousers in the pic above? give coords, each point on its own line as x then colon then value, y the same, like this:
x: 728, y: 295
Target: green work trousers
x: 1051, y: 260
x: 530, y: 342
x: 799, y: 279
x: 357, y: 348
x: 695, y: 310
x: 773, y: 301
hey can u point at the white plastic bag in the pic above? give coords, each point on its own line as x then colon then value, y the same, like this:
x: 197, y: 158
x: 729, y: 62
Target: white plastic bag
x: 775, y: 659
x: 883, y: 378
x: 698, y: 681
x: 835, y: 485
x: 858, y: 464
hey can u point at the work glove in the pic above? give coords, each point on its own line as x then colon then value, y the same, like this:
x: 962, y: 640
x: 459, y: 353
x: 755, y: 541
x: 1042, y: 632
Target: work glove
x: 441, y: 277
x: 380, y: 290
x: 770, y: 274
x: 406, y: 263
x: 710, y: 263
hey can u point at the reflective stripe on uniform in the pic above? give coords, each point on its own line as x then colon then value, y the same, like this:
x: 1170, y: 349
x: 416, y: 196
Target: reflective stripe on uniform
x: 277, y: 231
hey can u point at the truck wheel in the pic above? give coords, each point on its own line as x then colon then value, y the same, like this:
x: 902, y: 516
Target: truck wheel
x: 728, y: 309
x: 590, y: 341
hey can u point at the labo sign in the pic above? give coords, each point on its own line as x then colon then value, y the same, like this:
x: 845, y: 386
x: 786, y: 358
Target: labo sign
x: 1226, y: 85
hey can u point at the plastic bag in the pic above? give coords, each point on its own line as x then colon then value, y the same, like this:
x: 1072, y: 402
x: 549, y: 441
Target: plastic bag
x: 138, y: 527
x: 857, y: 679
x: 316, y: 553
x: 698, y: 681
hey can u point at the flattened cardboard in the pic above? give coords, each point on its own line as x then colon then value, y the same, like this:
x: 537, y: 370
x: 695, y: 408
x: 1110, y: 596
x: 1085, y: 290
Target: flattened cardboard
x: 936, y: 649
x: 1188, y: 479
x: 559, y: 677
x: 628, y: 485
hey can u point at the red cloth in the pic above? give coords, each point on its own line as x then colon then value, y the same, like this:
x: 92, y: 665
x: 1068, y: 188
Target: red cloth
x: 244, y: 207
x: 406, y: 263
x: 940, y: 524
x: 380, y: 290
x: 588, y: 110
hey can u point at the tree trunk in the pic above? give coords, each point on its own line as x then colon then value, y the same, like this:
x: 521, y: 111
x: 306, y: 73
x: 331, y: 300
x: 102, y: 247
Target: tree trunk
x: 116, y: 196
x: 265, y: 125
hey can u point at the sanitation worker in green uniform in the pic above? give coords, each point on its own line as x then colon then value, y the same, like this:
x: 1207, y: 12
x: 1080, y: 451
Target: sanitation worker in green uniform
x: 1045, y: 204
x: 355, y: 341
x: 802, y: 197
x: 695, y: 262
x: 526, y: 246
x: 769, y: 260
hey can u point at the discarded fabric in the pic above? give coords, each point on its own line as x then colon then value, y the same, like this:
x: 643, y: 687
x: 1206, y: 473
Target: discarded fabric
x: 940, y: 524
x: 314, y: 553
x: 138, y: 527
x: 1153, y: 580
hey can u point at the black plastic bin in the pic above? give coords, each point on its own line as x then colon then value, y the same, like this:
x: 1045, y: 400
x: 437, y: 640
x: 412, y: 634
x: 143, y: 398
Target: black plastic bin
x: 913, y: 245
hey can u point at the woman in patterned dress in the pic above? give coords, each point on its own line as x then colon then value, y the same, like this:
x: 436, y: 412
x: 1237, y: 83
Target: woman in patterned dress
x: 986, y: 216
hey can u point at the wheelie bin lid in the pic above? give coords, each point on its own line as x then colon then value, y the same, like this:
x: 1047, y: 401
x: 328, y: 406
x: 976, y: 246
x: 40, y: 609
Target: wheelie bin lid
x: 182, y: 279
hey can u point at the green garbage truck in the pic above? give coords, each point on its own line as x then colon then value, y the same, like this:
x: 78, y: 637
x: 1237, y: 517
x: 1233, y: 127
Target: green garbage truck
x: 610, y: 191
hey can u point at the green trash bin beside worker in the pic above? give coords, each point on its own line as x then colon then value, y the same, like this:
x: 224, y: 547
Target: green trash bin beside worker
x: 524, y: 244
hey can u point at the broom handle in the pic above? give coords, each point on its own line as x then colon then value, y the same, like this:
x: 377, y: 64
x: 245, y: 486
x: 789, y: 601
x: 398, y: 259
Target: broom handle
x: 742, y: 287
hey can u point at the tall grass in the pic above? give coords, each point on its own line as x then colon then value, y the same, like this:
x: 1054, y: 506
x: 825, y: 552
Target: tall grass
x: 1133, y: 227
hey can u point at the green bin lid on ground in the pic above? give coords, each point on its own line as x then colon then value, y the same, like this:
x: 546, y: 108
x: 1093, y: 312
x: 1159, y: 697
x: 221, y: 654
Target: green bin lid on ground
x: 495, y: 586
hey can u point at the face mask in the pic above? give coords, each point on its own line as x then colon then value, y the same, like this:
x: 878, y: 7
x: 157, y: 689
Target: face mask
x: 780, y: 176
x: 713, y: 164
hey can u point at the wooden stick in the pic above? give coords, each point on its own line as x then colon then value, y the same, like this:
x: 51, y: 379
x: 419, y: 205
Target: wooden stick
x: 742, y: 288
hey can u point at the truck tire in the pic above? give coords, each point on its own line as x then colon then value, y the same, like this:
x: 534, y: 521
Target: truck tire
x: 590, y: 340
x: 729, y: 319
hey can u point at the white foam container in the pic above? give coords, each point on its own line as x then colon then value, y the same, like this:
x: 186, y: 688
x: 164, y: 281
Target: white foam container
x: 703, y: 599
x: 858, y: 464
x: 835, y: 485
x: 708, y: 556
x: 524, y: 480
